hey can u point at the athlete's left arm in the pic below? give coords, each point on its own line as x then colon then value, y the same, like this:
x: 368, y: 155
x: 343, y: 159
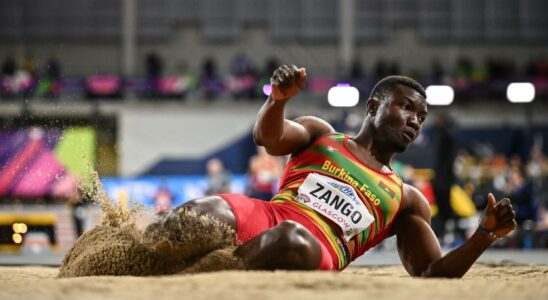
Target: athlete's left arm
x: 419, y: 248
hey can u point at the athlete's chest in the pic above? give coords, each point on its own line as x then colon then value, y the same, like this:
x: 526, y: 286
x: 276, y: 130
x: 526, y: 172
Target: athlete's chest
x: 380, y: 191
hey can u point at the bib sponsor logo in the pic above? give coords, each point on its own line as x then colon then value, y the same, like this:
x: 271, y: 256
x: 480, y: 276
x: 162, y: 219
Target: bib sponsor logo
x: 348, y: 191
x: 337, y: 201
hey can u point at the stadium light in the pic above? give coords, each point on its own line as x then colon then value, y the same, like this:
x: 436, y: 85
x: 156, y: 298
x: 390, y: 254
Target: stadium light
x: 343, y: 95
x: 267, y: 89
x: 17, y: 238
x: 439, y: 95
x: 23, y: 228
x: 520, y: 92
x: 19, y: 228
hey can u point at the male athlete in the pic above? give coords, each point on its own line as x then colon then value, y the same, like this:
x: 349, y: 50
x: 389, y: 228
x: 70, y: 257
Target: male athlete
x: 338, y: 195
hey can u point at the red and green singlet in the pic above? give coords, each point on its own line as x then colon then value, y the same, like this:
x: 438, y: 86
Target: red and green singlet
x: 380, y: 192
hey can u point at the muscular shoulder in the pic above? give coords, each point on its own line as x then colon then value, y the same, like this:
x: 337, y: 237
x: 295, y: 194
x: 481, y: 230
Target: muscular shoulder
x: 415, y: 202
x: 414, y: 205
x: 315, y: 126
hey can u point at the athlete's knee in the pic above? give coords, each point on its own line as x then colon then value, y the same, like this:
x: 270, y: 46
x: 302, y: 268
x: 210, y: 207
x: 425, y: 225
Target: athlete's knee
x: 301, y: 250
x: 294, y: 236
x: 212, y: 206
x: 200, y: 206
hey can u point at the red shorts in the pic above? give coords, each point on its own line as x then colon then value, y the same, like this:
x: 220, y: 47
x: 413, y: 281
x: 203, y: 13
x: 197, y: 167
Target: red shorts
x: 253, y: 216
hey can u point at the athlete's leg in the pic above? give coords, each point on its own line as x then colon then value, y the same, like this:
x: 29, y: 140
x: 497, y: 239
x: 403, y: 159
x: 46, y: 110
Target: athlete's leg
x: 214, y: 206
x: 288, y: 246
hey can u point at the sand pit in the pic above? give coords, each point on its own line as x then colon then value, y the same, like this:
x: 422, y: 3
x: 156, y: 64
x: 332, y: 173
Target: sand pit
x: 482, y: 282
x: 178, y: 242
x: 118, y: 247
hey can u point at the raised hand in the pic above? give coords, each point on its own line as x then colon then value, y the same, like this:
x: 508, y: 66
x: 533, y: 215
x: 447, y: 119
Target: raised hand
x: 287, y: 81
x: 499, y: 218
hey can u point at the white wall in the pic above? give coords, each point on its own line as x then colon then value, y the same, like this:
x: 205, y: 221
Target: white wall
x: 146, y: 136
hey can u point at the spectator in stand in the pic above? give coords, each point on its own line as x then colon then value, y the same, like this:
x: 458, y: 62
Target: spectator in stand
x: 357, y: 71
x: 154, y: 71
x: 17, y: 81
x: 53, y: 69
x: 218, y: 180
x: 479, y: 75
x: 465, y: 69
x: 50, y: 85
x: 163, y: 199
x: 242, y: 77
x: 500, y: 68
x: 537, y: 68
x: 437, y: 72
x: 519, y: 188
x: 537, y: 166
x: 264, y: 172
x: 210, y: 81
x: 30, y: 65
x: 240, y: 65
x: 9, y: 68
x: 380, y: 69
x: 271, y: 65
x: 463, y: 78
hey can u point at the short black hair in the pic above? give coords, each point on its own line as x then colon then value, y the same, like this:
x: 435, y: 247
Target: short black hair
x: 388, y: 83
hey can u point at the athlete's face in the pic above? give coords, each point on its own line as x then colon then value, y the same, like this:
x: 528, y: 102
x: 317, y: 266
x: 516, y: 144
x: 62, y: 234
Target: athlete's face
x: 399, y: 118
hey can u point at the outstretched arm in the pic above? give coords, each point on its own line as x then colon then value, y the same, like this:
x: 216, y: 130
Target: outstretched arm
x: 419, y: 248
x: 278, y: 135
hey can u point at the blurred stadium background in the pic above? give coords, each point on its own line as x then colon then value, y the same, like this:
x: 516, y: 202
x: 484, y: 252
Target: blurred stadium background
x: 160, y: 96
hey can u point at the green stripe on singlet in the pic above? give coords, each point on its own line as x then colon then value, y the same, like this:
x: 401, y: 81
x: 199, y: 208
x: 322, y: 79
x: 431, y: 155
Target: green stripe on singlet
x: 364, y: 175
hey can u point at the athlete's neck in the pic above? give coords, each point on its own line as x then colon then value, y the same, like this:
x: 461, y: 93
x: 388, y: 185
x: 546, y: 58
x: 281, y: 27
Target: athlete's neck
x: 364, y: 140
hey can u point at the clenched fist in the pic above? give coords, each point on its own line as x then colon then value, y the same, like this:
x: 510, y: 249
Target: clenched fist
x: 287, y: 81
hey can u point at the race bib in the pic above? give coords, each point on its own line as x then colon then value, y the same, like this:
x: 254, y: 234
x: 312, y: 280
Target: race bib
x: 337, y: 201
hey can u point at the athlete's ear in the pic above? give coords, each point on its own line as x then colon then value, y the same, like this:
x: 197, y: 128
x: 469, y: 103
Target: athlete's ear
x: 372, y: 106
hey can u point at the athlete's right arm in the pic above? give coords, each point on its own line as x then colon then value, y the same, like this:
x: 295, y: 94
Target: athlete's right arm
x: 278, y: 135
